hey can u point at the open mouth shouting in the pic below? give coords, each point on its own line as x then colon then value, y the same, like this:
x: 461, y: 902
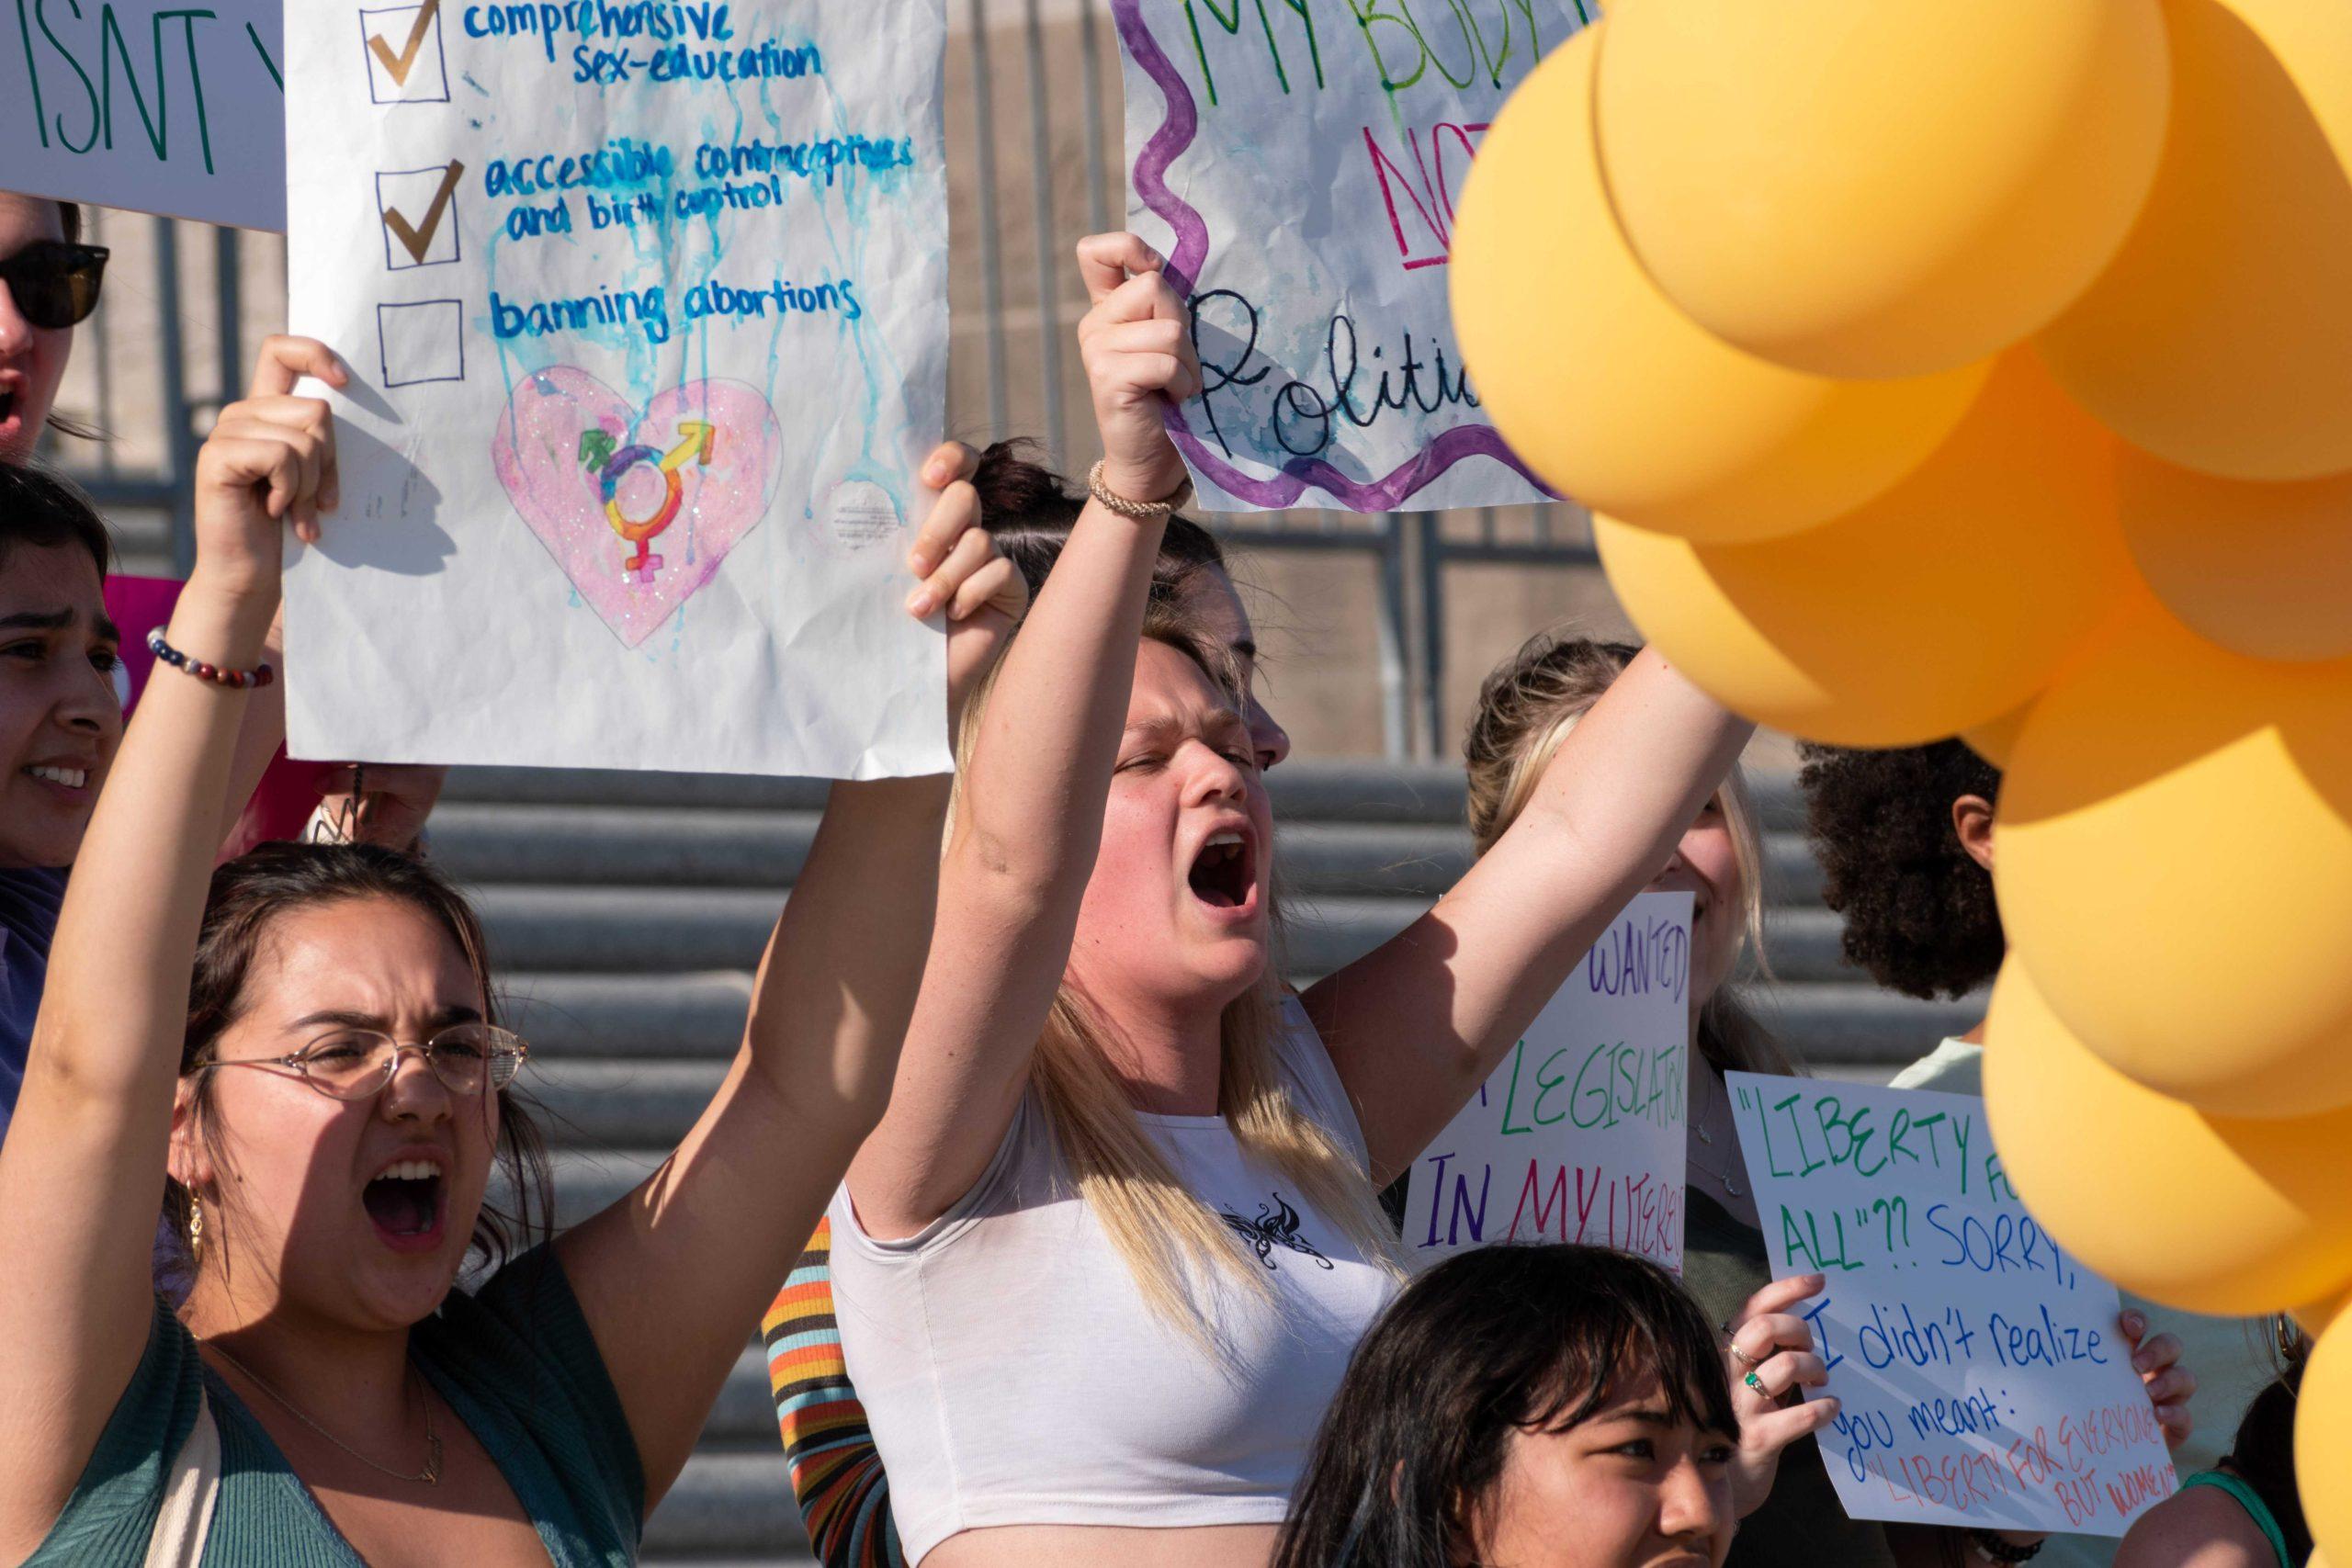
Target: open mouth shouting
x: 408, y: 1202
x: 1224, y: 877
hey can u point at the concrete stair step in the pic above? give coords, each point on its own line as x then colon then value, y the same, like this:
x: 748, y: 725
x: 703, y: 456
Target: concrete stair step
x: 488, y: 843
x: 730, y: 1504
x: 611, y: 1016
x: 611, y: 1123
x: 617, y: 848
x: 1337, y: 790
x: 649, y: 930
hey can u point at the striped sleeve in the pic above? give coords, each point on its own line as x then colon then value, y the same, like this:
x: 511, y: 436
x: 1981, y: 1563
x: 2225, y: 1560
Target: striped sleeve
x: 837, y: 1477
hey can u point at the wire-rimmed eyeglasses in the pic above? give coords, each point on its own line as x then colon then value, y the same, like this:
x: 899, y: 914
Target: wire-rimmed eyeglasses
x: 354, y: 1064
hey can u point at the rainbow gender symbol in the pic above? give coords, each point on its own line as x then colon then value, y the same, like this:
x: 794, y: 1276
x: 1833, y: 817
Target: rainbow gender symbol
x: 611, y: 462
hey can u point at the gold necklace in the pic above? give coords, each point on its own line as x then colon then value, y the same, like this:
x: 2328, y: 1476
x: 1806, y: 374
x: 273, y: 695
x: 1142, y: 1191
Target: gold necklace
x: 430, y: 1475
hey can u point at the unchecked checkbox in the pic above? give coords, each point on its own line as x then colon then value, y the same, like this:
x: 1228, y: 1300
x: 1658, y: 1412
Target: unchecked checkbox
x: 422, y: 342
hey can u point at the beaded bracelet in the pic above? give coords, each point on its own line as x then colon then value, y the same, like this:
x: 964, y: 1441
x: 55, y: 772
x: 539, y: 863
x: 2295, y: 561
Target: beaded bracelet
x: 259, y: 675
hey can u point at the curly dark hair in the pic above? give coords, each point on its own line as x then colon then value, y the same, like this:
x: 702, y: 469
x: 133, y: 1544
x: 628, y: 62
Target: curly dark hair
x: 1920, y: 914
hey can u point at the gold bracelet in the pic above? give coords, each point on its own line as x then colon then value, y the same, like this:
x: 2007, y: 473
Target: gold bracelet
x: 1138, y: 511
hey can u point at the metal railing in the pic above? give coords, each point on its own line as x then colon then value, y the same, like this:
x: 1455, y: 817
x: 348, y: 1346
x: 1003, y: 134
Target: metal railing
x: 179, y: 289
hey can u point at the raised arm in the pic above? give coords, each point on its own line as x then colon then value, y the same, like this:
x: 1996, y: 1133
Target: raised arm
x: 673, y: 1276
x: 82, y: 1172
x: 1030, y: 811
x: 1415, y: 1025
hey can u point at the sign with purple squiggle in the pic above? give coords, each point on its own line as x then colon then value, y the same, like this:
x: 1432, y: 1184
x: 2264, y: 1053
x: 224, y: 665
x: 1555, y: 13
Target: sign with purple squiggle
x: 1297, y: 162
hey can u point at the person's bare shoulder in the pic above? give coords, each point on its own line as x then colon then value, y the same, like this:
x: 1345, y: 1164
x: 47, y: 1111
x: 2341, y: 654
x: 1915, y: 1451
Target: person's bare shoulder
x: 2201, y: 1527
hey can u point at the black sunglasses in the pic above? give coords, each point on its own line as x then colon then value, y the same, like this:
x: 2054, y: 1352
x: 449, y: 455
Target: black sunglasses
x: 55, y: 283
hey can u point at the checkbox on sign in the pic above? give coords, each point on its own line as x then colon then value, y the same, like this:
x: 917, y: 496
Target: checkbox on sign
x: 405, y: 64
x: 423, y: 342
x: 418, y: 209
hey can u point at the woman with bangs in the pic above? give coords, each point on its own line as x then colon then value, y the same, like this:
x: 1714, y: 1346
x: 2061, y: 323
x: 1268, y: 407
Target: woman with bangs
x: 1525, y: 1407
x: 1530, y: 710
x: 1098, y: 1270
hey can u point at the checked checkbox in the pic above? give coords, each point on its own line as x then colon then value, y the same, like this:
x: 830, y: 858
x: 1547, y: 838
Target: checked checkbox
x: 418, y: 207
x: 423, y: 342
x: 405, y: 64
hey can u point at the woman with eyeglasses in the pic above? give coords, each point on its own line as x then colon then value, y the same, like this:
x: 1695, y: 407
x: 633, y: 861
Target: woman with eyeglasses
x: 306, y: 1066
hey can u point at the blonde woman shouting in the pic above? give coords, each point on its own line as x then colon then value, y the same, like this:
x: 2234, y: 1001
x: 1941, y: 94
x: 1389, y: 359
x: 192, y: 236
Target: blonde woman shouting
x: 1100, y: 1269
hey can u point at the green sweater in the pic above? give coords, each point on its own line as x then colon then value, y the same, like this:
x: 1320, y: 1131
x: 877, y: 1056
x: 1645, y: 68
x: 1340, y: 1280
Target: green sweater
x: 517, y: 1363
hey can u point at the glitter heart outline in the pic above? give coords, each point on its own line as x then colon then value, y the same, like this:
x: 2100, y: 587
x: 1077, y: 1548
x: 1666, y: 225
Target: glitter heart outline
x: 539, y: 454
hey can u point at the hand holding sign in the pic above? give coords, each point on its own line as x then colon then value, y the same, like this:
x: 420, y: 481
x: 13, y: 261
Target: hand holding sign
x: 1771, y: 1359
x: 1138, y: 345
x: 270, y: 461
x: 1979, y: 1379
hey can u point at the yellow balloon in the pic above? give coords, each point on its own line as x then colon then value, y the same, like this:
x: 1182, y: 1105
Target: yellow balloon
x: 2213, y: 1214
x: 1617, y: 397
x: 2316, y: 1318
x: 1862, y: 187
x: 2173, y: 859
x: 2323, y: 1443
x: 1994, y: 741
x: 2220, y: 336
x: 1940, y: 605
x: 2264, y: 570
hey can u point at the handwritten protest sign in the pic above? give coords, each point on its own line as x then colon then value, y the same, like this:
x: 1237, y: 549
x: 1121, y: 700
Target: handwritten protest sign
x: 1578, y: 1135
x: 1978, y: 1367
x: 153, y: 105
x: 646, y: 304
x: 1297, y: 163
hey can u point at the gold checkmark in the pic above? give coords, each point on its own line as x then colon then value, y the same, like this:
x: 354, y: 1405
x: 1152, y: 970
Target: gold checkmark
x: 418, y: 239
x: 397, y: 65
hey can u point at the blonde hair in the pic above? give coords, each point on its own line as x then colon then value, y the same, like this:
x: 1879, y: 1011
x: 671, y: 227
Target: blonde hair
x: 1173, y: 1244
x: 1526, y: 708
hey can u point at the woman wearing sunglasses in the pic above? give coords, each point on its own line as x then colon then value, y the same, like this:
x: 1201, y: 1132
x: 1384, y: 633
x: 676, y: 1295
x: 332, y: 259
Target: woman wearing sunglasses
x: 308, y: 1061
x: 49, y: 285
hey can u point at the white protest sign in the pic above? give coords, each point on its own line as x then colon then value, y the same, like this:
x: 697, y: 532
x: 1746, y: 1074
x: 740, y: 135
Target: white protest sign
x: 647, y: 309
x: 1578, y: 1135
x: 1982, y: 1378
x: 151, y: 105
x: 1297, y: 163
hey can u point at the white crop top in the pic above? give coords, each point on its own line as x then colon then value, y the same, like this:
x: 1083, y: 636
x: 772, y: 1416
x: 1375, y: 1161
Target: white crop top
x: 1014, y: 1374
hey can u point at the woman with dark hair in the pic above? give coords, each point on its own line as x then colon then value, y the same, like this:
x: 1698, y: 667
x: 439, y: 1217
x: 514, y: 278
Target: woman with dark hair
x: 309, y: 1062
x: 59, y: 654
x: 59, y: 724
x: 1525, y: 1405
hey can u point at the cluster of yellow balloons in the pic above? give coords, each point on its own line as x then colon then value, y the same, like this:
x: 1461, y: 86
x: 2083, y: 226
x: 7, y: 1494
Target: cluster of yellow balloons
x: 1988, y: 370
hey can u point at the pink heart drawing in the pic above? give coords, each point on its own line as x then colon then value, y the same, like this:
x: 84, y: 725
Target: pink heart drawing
x: 638, y: 511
